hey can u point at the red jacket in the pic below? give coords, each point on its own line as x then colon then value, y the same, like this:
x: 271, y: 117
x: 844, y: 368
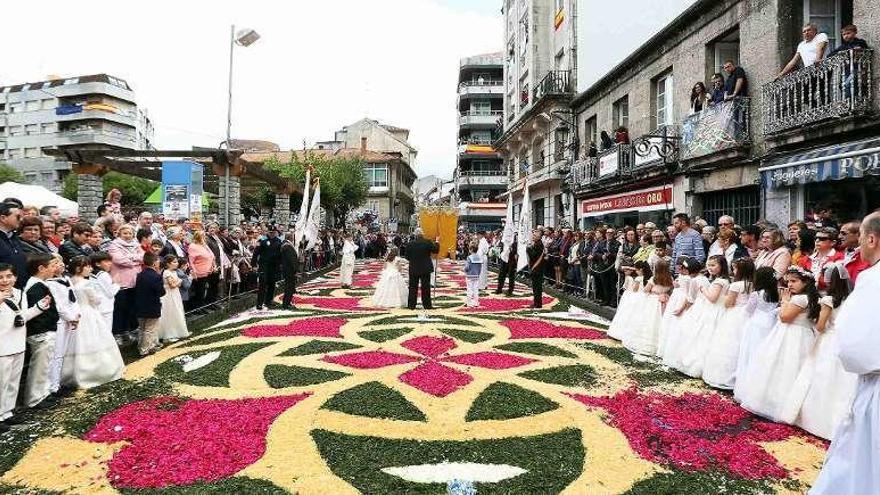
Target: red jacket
x: 854, y: 264
x: 808, y: 262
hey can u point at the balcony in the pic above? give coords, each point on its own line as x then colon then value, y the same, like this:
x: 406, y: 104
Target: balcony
x: 481, y: 88
x: 554, y: 83
x: 839, y: 87
x: 718, y: 128
x: 482, y: 178
x: 480, y: 117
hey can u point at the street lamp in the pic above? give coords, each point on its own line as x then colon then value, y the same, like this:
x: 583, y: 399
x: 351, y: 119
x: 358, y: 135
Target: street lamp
x: 244, y: 37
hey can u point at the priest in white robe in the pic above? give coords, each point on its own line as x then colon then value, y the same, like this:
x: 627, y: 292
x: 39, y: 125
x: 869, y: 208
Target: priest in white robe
x: 852, y: 466
x: 483, y: 253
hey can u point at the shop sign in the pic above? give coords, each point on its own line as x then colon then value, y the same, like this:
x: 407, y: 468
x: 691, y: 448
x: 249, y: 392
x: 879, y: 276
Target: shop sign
x: 608, y: 164
x: 645, y: 199
x: 851, y: 165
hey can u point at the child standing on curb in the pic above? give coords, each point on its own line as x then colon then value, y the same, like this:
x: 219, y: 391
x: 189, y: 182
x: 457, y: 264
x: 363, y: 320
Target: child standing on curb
x: 473, y: 266
x: 149, y: 290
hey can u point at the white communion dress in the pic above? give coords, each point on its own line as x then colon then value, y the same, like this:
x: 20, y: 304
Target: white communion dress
x: 644, y: 333
x: 775, y: 367
x: 719, y: 371
x: 823, y: 391
x: 391, y: 289
x: 92, y: 356
x: 172, y: 323
x: 699, y: 329
x: 762, y: 316
x: 346, y: 269
x: 676, y: 332
x: 626, y: 308
x: 676, y: 301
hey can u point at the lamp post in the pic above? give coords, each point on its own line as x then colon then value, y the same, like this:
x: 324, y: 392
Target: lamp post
x: 244, y: 37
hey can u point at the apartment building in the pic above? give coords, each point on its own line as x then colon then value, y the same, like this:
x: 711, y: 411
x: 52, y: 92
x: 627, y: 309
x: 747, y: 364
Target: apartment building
x: 791, y: 145
x: 480, y: 178
x: 388, y: 166
x: 86, y: 111
x: 540, y: 69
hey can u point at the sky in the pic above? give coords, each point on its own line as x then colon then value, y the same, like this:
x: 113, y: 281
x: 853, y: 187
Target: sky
x: 318, y: 66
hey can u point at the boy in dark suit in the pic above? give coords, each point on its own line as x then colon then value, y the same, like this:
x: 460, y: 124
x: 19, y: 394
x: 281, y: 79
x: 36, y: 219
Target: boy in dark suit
x: 148, y: 290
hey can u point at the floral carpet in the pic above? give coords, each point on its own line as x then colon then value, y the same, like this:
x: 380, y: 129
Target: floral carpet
x: 339, y: 397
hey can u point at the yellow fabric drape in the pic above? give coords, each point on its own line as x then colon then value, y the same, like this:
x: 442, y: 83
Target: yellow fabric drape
x: 442, y: 223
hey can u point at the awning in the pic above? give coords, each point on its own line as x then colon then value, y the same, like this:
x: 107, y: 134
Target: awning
x: 846, y: 161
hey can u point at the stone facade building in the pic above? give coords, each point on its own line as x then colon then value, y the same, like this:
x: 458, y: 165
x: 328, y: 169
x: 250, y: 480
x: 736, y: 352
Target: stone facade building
x: 809, y: 139
x: 540, y: 67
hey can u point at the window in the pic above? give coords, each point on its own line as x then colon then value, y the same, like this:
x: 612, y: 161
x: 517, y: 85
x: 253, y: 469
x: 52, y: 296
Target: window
x: 559, y: 144
x: 723, y: 49
x: 32, y: 153
x: 32, y: 129
x: 32, y: 105
x: 591, y: 133
x: 376, y: 175
x: 558, y: 60
x: 663, y: 101
x: 827, y: 15
x: 30, y: 177
x: 48, y: 103
x: 481, y: 107
x: 16, y: 130
x: 72, y: 80
x: 481, y: 136
x: 537, y: 212
x: 742, y: 204
x: 16, y: 153
x: 620, y: 113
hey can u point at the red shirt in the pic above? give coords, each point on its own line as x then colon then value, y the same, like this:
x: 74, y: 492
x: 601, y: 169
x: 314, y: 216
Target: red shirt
x: 854, y: 264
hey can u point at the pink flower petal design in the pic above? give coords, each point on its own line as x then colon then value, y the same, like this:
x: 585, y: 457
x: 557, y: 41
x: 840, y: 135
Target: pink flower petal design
x: 312, y: 327
x: 435, y: 379
x: 536, y: 329
x: 430, y: 346
x: 345, y: 303
x: 695, y: 432
x: 369, y: 360
x: 174, y: 441
x: 501, y: 305
x: 490, y: 360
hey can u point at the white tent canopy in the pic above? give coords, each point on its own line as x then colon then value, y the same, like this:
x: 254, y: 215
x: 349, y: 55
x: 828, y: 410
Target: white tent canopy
x: 38, y: 196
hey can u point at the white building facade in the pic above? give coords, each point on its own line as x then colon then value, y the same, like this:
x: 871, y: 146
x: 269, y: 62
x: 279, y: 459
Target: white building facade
x: 540, y: 67
x: 87, y: 111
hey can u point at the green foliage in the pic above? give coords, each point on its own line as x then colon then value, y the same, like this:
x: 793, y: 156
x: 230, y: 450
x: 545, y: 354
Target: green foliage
x: 319, y: 347
x: 551, y: 461
x: 699, y: 483
x: 385, y: 335
x: 467, y: 335
x: 374, y: 400
x: 281, y: 376
x: 9, y: 174
x: 135, y: 190
x: 536, y: 348
x: 236, y: 484
x: 343, y: 186
x: 579, y: 375
x: 508, y: 401
x: 215, y: 374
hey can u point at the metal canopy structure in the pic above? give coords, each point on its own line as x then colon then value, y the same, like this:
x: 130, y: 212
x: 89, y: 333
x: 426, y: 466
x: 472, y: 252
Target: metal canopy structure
x: 148, y: 163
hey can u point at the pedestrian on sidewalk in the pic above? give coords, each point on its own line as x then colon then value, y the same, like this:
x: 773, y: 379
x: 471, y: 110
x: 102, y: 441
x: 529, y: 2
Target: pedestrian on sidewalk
x: 289, y: 265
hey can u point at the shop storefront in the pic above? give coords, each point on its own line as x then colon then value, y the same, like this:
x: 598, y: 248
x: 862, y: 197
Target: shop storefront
x: 843, y: 178
x: 630, y: 208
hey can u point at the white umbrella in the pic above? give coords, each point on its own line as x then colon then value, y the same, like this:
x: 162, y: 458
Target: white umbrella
x: 38, y: 196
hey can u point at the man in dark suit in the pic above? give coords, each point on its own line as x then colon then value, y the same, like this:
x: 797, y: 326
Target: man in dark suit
x: 507, y: 270
x: 267, y: 255
x: 289, y: 262
x: 419, y: 252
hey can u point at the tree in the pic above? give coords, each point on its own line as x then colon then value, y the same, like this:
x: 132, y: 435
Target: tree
x: 135, y: 190
x: 9, y: 174
x: 343, y: 186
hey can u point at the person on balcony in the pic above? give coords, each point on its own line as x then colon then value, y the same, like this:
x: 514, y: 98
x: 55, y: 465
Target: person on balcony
x: 699, y: 97
x: 810, y: 51
x: 716, y: 96
x: 607, y: 142
x: 621, y: 135
x: 737, y: 84
x: 850, y: 40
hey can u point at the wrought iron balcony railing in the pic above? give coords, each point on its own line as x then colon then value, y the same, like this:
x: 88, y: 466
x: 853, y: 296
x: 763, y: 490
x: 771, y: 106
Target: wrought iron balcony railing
x: 716, y: 128
x: 555, y: 82
x: 840, y: 86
